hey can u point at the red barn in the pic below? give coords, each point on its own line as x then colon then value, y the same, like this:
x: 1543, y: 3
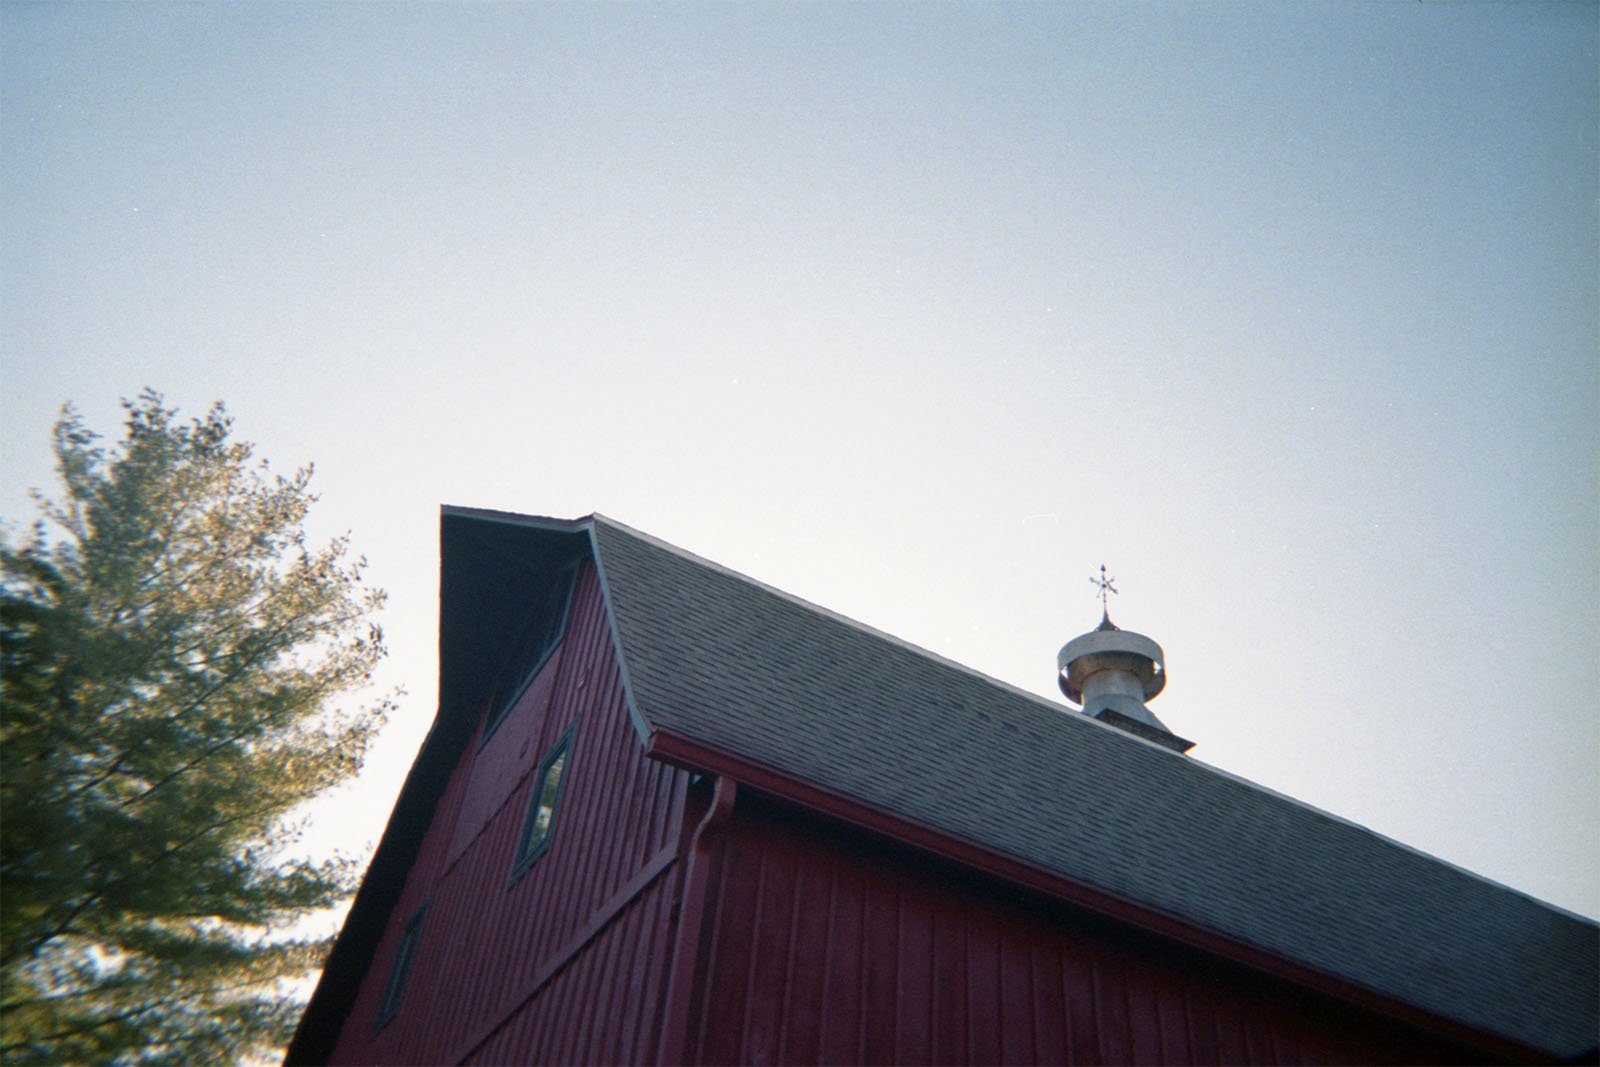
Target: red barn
x: 667, y: 814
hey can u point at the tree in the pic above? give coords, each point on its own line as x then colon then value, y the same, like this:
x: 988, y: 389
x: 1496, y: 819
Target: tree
x: 171, y: 650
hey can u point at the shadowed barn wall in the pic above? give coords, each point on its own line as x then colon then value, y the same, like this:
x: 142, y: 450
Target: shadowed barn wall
x: 564, y: 964
x: 829, y: 946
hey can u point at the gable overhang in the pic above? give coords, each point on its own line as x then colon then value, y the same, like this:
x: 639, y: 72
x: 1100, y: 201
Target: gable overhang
x: 698, y: 757
x: 507, y: 533
x: 488, y: 562
x: 490, y: 565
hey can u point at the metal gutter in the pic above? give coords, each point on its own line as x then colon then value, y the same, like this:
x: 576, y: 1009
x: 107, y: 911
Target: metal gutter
x: 688, y: 945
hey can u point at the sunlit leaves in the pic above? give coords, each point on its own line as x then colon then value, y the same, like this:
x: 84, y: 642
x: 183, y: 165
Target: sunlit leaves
x: 173, y: 653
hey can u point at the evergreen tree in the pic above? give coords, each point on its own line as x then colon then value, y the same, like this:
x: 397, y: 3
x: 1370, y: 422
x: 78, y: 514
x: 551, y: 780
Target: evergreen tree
x: 170, y: 652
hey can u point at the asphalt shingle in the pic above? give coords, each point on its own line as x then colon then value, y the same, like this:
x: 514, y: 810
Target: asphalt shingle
x: 720, y: 659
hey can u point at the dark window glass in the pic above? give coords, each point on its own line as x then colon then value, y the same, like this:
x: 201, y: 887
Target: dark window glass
x: 402, y: 966
x: 541, y: 631
x: 542, y: 804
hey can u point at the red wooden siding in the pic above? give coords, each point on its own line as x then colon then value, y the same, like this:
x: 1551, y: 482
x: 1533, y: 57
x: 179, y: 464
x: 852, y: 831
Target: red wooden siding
x: 591, y: 1011
x: 568, y: 960
x: 829, y: 947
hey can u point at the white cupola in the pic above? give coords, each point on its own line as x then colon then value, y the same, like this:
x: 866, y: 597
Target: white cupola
x: 1111, y: 672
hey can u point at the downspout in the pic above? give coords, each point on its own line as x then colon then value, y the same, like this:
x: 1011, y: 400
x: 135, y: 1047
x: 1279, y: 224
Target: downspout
x: 691, y: 919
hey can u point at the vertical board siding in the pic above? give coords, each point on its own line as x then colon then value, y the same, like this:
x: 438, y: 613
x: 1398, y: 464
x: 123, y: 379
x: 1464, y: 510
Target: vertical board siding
x: 503, y: 967
x: 830, y: 947
x: 586, y: 1013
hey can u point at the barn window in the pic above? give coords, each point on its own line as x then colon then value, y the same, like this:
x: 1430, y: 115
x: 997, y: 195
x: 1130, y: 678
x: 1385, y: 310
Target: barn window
x: 540, y: 632
x: 542, y: 804
x: 401, y: 967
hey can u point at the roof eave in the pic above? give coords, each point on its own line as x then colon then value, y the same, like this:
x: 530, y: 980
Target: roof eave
x: 697, y: 756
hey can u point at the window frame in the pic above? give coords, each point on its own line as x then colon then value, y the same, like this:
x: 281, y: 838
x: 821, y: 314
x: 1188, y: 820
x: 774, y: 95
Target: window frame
x: 559, y: 591
x: 528, y: 850
x: 405, y: 955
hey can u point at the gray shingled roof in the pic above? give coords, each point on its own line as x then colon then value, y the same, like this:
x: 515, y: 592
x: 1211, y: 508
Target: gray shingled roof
x: 717, y: 658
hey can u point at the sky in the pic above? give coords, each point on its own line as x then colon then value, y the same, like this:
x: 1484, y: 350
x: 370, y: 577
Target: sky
x: 1287, y: 314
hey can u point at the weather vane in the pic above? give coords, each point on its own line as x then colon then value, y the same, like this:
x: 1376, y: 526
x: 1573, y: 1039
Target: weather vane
x: 1106, y: 588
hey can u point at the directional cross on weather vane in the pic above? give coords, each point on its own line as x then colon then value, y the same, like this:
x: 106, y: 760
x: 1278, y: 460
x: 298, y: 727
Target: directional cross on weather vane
x: 1105, y: 588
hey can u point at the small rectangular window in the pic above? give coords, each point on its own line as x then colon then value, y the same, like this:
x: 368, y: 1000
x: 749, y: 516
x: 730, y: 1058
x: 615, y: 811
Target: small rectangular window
x: 541, y: 631
x: 401, y: 967
x: 542, y: 804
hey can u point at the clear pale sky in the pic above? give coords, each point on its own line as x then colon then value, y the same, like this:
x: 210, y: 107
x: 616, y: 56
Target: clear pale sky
x: 1287, y: 313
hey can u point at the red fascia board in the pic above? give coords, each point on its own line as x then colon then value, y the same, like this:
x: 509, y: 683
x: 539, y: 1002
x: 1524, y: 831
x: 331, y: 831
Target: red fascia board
x: 697, y: 756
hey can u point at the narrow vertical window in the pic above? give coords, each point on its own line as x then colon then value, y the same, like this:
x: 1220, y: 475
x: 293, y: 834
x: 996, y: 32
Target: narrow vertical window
x: 542, y: 804
x: 402, y: 966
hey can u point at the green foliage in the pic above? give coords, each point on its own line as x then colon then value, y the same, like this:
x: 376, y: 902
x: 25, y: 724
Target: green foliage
x: 170, y: 652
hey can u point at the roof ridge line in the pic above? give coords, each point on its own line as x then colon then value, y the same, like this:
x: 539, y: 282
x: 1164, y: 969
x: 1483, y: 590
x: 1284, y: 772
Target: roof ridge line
x: 1042, y: 702
x: 517, y: 518
x: 856, y: 624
